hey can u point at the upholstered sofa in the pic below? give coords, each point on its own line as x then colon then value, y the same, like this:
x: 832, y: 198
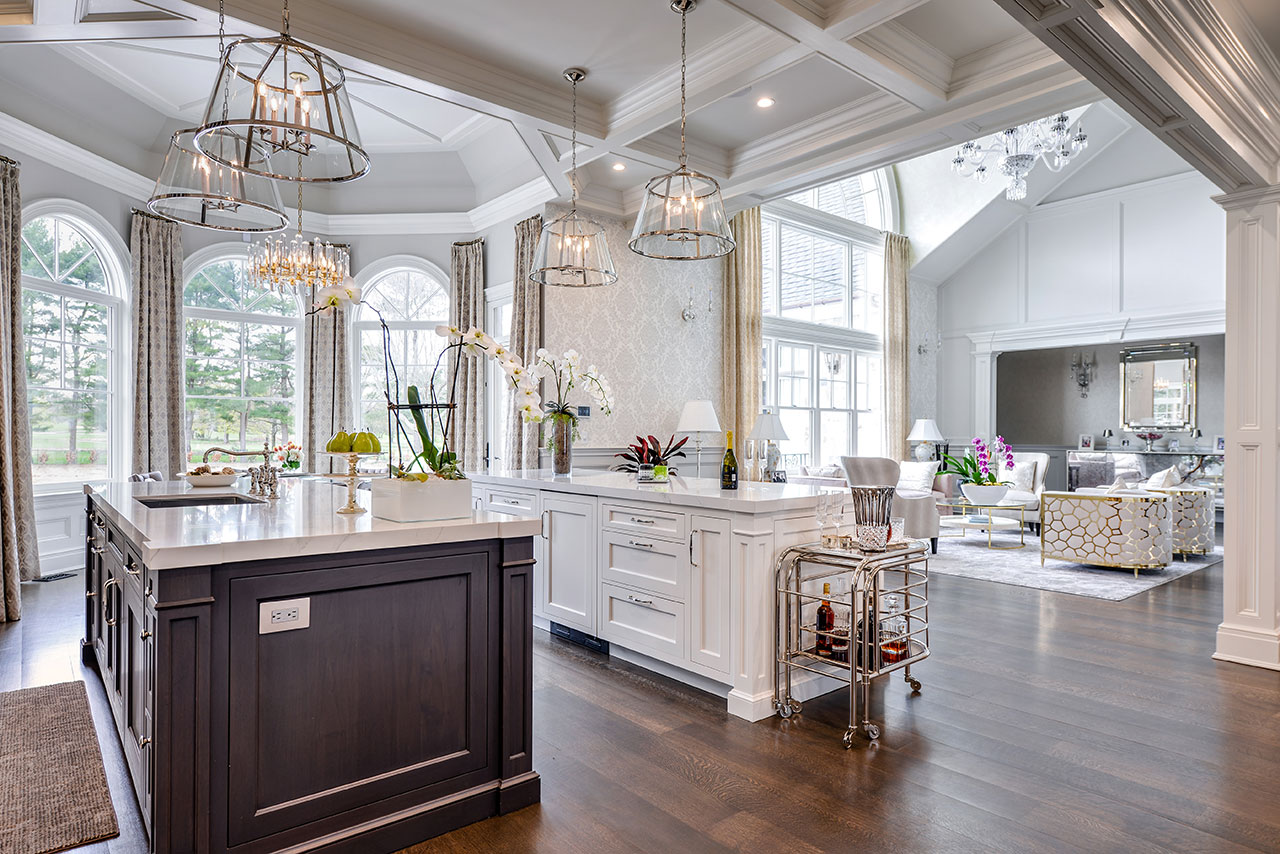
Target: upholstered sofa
x: 1127, y: 529
x: 918, y: 508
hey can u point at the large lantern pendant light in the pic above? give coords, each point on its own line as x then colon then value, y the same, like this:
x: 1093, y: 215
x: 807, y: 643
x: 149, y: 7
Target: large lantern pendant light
x: 194, y: 190
x: 290, y: 99
x: 682, y: 214
x: 572, y: 250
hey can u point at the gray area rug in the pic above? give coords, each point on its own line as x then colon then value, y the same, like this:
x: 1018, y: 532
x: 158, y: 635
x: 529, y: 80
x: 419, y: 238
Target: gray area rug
x: 53, y: 787
x: 969, y: 557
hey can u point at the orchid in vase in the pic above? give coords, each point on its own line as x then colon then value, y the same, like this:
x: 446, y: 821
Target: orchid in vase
x: 979, y: 470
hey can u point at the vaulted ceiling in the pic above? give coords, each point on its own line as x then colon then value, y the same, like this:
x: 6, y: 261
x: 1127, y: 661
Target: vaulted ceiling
x: 463, y: 103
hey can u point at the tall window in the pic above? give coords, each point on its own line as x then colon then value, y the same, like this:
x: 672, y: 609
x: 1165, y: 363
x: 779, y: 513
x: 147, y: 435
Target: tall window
x: 413, y: 299
x: 242, y: 359
x: 72, y: 318
x: 823, y: 304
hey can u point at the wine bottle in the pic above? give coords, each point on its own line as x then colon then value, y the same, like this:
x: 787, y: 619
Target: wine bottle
x: 729, y: 468
x: 826, y: 622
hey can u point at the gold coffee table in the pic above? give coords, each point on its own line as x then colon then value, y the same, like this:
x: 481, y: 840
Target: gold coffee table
x: 979, y: 517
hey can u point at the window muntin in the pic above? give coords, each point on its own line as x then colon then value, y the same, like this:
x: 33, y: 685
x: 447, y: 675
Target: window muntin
x: 242, y: 360
x: 71, y: 321
x: 857, y: 199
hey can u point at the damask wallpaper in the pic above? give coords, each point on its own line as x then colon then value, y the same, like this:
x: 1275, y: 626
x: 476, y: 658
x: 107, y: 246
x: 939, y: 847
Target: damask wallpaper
x: 633, y: 332
x: 922, y: 368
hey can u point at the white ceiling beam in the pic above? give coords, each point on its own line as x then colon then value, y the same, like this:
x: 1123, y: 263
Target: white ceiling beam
x: 854, y: 17
x: 546, y: 158
x: 784, y: 18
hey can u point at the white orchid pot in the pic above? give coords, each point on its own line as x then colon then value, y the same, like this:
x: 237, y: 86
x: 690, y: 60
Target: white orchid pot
x: 984, y: 493
x: 398, y: 500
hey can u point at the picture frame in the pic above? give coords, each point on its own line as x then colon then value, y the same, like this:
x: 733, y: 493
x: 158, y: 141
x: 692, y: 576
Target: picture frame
x: 1174, y: 444
x: 1086, y: 442
x: 1220, y: 444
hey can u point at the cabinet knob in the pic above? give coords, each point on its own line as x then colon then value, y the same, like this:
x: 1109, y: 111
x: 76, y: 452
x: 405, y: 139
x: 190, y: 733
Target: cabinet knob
x: 143, y: 742
x: 144, y: 635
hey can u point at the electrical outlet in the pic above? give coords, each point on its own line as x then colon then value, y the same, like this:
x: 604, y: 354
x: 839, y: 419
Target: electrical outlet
x: 584, y: 411
x: 283, y: 615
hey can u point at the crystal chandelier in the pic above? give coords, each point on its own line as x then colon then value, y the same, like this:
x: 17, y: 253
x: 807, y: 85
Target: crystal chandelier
x: 572, y: 250
x: 194, y: 190
x: 299, y: 266
x: 1016, y: 150
x: 288, y: 98
x: 682, y: 214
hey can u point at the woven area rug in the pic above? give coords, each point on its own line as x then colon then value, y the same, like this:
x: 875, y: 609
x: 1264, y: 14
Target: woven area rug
x: 53, y: 787
x: 969, y: 557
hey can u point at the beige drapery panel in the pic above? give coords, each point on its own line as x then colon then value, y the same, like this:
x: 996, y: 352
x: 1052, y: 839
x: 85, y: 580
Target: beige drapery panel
x: 19, y: 555
x: 466, y: 431
x: 526, y: 337
x: 159, y: 441
x: 327, y: 392
x: 742, y: 298
x: 897, y: 264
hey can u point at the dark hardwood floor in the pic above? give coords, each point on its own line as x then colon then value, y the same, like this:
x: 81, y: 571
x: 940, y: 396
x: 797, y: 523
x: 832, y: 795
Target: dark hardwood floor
x: 1047, y: 722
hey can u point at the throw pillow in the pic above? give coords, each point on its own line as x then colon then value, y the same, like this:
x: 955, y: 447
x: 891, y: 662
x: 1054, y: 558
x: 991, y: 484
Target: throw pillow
x: 1022, y: 477
x: 1120, y: 485
x: 917, y: 477
x: 1165, y: 478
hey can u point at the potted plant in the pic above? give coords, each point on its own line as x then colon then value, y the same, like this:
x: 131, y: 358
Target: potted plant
x: 978, y: 471
x: 289, y: 456
x: 429, y: 485
x: 649, y: 451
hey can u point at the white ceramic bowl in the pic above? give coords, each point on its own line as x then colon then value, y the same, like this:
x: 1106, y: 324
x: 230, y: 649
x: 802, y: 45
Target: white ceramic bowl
x: 210, y: 479
x: 984, y: 494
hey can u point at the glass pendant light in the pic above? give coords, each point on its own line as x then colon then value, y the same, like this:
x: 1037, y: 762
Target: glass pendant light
x: 572, y: 250
x: 288, y: 98
x: 682, y: 214
x: 194, y: 190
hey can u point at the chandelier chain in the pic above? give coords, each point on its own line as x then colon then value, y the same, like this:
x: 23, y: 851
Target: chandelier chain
x: 573, y: 145
x: 299, y: 195
x: 222, y: 26
x: 684, y: 30
x: 286, y: 17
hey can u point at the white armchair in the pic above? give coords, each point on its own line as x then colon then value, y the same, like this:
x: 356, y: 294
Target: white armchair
x: 1029, y: 491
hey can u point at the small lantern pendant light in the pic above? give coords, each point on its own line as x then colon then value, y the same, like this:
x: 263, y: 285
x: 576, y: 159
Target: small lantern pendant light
x: 682, y: 214
x: 572, y: 250
x: 194, y: 190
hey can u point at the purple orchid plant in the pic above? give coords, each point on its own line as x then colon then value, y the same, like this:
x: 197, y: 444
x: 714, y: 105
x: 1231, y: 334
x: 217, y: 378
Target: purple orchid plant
x: 981, y: 463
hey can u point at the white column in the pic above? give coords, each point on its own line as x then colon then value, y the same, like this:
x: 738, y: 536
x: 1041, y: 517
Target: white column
x: 1250, y: 629
x: 984, y: 385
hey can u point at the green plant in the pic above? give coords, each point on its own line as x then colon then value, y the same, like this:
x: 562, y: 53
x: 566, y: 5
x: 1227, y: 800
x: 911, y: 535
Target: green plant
x: 980, y: 464
x: 649, y: 451
x: 431, y: 460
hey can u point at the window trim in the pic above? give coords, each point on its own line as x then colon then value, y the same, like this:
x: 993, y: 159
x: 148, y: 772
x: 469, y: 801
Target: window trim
x: 194, y: 264
x: 113, y: 251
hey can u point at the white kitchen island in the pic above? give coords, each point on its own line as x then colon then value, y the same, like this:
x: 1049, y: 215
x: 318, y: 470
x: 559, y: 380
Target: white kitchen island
x: 677, y: 577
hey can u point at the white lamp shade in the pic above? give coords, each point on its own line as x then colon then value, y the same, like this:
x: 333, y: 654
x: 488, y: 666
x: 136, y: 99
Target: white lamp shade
x: 698, y: 416
x: 768, y: 428
x: 925, y: 430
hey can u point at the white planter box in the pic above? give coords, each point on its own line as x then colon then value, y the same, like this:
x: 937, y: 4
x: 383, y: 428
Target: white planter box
x: 399, y: 500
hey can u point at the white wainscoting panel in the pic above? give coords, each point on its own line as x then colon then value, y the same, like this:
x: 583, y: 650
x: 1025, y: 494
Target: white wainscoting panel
x: 60, y: 531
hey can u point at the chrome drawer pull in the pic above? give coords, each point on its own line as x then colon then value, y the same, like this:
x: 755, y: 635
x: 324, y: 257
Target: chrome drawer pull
x: 640, y: 545
x: 643, y: 521
x: 98, y: 522
x: 513, y: 502
x: 143, y: 742
x: 640, y: 601
x: 132, y: 568
x: 144, y: 635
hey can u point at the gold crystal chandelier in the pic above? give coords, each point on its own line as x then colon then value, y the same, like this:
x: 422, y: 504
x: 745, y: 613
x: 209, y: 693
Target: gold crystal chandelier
x: 298, y: 265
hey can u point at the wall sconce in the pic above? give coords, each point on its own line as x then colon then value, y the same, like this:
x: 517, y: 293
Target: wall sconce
x: 1082, y: 370
x: 923, y: 347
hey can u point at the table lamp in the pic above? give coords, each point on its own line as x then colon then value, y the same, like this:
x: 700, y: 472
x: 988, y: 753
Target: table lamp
x: 698, y: 417
x: 1107, y: 436
x: 925, y: 431
x: 769, y: 429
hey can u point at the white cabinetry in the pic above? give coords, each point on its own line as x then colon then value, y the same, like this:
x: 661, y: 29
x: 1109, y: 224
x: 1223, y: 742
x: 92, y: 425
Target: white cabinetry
x: 567, y: 588
x: 709, y: 571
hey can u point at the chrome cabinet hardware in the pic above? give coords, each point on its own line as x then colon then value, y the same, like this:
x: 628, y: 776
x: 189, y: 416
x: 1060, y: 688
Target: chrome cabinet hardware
x: 131, y: 567
x: 640, y: 521
x: 543, y: 520
x: 514, y: 502
x: 631, y: 598
x: 144, y: 635
x: 89, y: 594
x: 639, y: 545
x: 143, y: 742
x: 99, y: 522
x: 106, y: 601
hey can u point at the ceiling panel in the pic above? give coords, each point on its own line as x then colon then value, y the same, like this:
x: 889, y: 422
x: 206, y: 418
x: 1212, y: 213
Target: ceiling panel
x: 961, y: 27
x: 804, y: 90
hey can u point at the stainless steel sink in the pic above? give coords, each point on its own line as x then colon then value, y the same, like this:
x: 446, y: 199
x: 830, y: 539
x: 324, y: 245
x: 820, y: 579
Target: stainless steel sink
x: 157, y: 502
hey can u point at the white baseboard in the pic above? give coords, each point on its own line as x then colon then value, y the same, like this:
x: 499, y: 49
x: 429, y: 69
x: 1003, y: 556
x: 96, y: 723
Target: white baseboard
x: 1243, y: 645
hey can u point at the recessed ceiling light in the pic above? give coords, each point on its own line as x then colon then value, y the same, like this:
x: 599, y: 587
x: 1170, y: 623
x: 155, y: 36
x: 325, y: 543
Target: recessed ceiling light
x: 765, y: 103
x: 618, y: 167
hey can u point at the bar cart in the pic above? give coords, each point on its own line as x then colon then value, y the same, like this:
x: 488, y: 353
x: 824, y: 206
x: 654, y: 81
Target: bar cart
x: 899, y: 639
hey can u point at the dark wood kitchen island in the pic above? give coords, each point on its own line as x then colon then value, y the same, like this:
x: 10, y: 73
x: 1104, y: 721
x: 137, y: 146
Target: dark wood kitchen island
x: 284, y: 678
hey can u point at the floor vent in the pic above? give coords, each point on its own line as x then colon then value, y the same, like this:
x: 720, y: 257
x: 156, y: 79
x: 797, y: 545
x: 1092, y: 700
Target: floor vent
x: 580, y: 638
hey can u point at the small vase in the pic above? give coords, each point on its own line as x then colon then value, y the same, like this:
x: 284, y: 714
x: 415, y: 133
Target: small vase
x: 562, y: 445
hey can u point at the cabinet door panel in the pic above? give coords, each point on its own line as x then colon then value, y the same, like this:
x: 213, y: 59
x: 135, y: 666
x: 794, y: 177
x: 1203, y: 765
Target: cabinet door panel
x: 643, y: 622
x: 569, y: 561
x: 709, y: 592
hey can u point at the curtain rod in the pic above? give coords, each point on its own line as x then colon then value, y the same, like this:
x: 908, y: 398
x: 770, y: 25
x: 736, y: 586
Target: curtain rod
x: 153, y: 216
x: 470, y: 242
x: 9, y: 160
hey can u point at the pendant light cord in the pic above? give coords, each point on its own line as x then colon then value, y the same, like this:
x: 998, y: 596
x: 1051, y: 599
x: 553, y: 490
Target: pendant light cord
x: 573, y: 146
x: 684, y: 12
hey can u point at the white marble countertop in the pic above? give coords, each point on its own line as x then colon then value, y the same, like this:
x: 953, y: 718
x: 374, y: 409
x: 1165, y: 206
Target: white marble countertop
x: 749, y: 497
x: 303, y: 521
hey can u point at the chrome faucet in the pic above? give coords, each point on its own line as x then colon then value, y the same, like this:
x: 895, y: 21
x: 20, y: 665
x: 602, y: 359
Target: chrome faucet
x: 265, y: 453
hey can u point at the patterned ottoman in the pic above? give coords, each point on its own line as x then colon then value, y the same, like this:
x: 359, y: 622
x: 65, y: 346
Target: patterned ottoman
x: 1127, y: 530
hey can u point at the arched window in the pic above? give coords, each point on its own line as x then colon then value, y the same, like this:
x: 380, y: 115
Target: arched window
x: 73, y: 298
x: 412, y: 295
x: 242, y: 356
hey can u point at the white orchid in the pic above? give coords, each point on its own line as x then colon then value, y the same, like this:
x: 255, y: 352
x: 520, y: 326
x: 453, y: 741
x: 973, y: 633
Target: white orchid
x: 477, y: 341
x: 530, y: 413
x: 453, y: 333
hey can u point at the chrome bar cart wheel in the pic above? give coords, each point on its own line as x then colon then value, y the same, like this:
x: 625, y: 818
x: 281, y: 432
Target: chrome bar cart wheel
x: 847, y: 738
x: 873, y: 731
x: 785, y: 711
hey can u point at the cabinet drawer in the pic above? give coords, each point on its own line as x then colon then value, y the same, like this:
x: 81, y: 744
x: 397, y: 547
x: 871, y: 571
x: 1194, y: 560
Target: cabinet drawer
x: 643, y: 520
x: 643, y: 622
x: 514, y: 502
x: 650, y: 564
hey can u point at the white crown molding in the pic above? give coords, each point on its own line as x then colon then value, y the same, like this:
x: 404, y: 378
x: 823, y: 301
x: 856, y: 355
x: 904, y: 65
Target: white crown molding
x: 55, y: 151
x: 1016, y: 57
x: 362, y: 225
x: 894, y: 46
x: 512, y: 204
x: 475, y: 127
x: 848, y: 18
x: 1210, y: 319
x: 124, y: 82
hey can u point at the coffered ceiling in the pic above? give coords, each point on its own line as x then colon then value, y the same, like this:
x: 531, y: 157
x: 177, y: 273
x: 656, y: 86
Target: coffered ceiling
x: 856, y: 84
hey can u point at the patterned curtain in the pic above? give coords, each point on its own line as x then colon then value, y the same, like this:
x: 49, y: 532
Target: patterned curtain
x: 897, y: 264
x: 327, y: 386
x: 466, y: 430
x: 19, y: 555
x: 158, y: 435
x: 526, y: 337
x: 743, y: 300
